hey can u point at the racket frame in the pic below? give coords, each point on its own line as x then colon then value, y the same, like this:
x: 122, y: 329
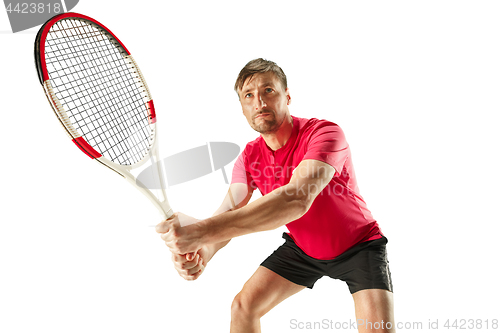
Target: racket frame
x: 160, y: 201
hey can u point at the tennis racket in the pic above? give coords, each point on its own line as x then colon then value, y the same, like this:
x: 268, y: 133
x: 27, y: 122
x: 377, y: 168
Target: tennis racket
x: 100, y: 97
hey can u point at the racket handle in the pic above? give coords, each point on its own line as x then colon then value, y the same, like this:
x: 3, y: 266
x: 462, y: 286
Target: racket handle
x: 166, y: 215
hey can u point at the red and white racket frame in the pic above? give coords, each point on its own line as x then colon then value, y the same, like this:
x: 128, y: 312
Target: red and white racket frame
x: 160, y: 203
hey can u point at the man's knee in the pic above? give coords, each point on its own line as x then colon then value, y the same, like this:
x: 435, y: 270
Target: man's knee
x: 243, y: 306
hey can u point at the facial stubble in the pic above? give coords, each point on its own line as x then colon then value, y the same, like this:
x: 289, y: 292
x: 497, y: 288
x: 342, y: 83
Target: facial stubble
x: 268, y: 126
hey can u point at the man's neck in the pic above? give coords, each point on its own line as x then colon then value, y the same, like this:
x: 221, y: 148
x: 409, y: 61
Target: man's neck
x: 279, y: 138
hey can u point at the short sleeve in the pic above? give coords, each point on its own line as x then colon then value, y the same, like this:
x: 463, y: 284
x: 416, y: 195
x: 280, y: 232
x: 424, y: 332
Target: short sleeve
x: 240, y: 175
x: 327, y: 144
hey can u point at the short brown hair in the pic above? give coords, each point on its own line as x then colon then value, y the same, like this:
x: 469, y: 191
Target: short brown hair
x: 257, y: 66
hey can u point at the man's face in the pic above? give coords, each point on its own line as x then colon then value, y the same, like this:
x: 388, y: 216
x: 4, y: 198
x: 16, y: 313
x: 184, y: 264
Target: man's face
x: 264, y: 102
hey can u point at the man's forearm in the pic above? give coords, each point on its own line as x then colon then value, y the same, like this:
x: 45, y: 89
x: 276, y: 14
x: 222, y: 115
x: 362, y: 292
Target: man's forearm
x: 269, y: 212
x: 215, y: 247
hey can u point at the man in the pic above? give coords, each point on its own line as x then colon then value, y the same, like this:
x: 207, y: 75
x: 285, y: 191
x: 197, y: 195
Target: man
x: 304, y: 170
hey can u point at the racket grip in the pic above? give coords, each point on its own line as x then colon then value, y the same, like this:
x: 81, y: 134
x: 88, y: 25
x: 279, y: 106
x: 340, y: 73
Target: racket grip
x: 165, y: 212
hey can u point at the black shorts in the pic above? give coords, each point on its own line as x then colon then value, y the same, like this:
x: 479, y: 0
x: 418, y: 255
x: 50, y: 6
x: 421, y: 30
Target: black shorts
x: 364, y: 266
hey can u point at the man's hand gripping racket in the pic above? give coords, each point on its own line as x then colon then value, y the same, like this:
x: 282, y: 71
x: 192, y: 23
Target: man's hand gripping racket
x: 100, y: 97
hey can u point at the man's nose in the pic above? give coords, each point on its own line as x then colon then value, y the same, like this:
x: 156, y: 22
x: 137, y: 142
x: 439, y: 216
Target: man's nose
x: 260, y: 103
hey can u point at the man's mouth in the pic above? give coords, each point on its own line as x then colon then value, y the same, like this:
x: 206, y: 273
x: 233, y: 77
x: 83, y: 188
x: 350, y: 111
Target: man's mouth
x: 263, y: 114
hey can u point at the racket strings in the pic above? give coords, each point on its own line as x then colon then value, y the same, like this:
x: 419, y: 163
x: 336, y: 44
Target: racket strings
x: 98, y: 90
x: 108, y: 102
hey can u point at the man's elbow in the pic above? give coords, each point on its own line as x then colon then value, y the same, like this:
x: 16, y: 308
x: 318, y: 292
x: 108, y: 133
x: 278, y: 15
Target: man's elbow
x: 302, y: 206
x: 299, y: 200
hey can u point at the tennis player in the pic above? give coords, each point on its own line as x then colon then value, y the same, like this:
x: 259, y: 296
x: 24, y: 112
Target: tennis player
x: 304, y: 170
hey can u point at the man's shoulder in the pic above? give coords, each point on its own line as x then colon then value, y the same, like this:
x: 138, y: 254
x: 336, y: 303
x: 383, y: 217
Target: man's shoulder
x: 308, y: 125
x: 252, y: 147
x: 254, y: 143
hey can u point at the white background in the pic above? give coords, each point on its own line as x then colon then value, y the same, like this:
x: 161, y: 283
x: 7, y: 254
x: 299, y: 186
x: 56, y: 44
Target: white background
x: 414, y: 85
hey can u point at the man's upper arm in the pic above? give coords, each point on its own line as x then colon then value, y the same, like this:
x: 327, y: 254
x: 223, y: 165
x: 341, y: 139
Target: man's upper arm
x: 241, y: 189
x: 238, y: 195
x: 328, y: 144
x: 240, y: 174
x: 309, y: 178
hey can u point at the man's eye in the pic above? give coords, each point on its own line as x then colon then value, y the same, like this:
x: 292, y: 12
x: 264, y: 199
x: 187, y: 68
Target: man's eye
x: 248, y: 95
x: 269, y: 90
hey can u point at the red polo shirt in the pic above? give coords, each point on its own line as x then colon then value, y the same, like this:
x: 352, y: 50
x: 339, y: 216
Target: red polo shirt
x: 338, y: 218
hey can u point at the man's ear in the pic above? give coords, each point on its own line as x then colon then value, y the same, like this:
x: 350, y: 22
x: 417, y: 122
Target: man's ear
x: 289, y: 99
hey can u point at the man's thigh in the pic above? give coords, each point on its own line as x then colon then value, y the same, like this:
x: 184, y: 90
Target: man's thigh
x: 374, y: 310
x: 264, y: 290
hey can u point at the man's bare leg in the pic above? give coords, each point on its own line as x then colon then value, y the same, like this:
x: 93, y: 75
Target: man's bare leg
x: 262, y: 292
x: 374, y: 311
